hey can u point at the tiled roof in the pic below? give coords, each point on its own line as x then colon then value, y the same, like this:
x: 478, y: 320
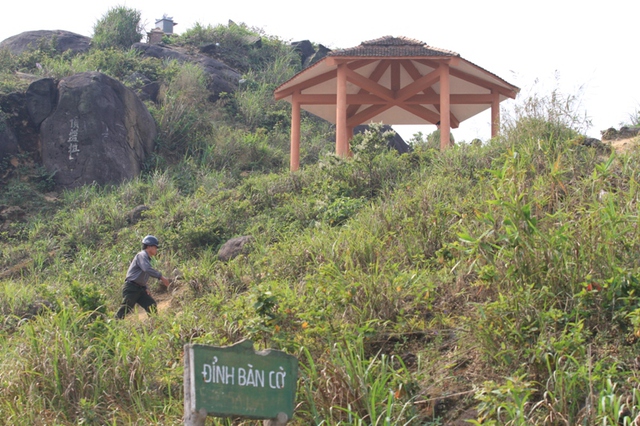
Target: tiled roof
x: 392, y: 46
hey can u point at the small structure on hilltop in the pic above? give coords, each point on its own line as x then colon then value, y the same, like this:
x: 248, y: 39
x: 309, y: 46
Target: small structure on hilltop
x: 166, y: 24
x: 163, y: 27
x: 393, y: 80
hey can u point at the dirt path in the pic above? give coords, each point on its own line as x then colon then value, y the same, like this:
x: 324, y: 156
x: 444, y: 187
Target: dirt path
x: 623, y: 145
x: 164, y: 300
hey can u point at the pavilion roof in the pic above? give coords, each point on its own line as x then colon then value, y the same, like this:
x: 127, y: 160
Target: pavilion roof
x: 470, y: 85
x: 392, y: 47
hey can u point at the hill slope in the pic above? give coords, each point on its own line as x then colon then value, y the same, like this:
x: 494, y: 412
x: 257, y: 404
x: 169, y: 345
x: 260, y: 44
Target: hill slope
x: 497, y: 283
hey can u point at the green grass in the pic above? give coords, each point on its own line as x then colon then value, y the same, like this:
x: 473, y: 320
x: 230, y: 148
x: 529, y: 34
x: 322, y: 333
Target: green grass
x: 500, y: 278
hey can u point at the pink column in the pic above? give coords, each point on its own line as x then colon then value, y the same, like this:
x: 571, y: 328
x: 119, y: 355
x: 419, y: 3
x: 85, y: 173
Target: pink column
x: 341, y: 111
x: 294, y: 163
x: 445, y: 107
x: 495, y: 114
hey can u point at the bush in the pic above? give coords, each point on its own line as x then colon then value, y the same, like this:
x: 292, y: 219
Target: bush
x: 110, y: 61
x: 181, y: 116
x: 553, y: 116
x: 119, y: 28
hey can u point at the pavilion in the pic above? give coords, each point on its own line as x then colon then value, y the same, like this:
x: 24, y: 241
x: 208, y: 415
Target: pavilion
x: 393, y: 80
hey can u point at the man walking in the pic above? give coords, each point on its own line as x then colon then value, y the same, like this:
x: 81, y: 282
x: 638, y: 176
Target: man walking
x: 135, y: 284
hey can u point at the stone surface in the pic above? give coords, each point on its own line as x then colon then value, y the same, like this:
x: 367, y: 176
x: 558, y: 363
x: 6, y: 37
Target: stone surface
x: 8, y: 141
x: 396, y: 143
x: 146, y: 89
x: 64, y: 40
x: 304, y: 48
x: 320, y: 53
x: 234, y: 247
x: 136, y: 215
x: 16, y: 117
x: 222, y: 78
x: 99, y: 131
x: 41, y: 99
x: 625, y: 132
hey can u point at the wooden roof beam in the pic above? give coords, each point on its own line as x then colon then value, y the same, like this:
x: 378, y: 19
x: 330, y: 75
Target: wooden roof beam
x: 478, y: 81
x: 434, y: 99
x: 317, y: 80
x: 375, y: 76
x: 415, y: 75
x: 365, y: 83
x: 418, y: 85
x: 357, y: 99
x: 473, y: 79
x: 422, y: 112
x: 306, y: 84
x: 367, y: 114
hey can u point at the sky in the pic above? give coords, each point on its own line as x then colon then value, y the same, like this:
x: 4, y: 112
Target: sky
x: 587, y: 51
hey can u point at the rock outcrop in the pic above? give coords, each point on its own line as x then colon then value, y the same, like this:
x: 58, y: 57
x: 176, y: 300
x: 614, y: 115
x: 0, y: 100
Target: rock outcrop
x: 222, y: 78
x: 8, y: 141
x: 61, y: 40
x: 625, y: 132
x: 99, y: 131
x: 40, y: 100
x: 396, y: 143
x: 16, y: 116
x: 234, y: 247
x: 308, y: 54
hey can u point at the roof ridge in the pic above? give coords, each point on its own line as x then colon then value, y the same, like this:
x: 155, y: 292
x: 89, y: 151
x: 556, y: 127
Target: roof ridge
x: 392, y: 40
x: 393, y: 46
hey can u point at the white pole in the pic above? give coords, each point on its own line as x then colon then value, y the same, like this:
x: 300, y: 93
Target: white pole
x: 280, y: 420
x: 191, y: 418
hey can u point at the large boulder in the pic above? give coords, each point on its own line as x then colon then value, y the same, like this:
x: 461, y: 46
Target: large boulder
x: 8, y: 141
x: 234, y: 247
x: 41, y: 99
x: 59, y: 39
x: 222, y: 78
x: 304, y: 48
x: 611, y: 134
x: 319, y: 54
x: 396, y: 143
x: 99, y: 131
x: 16, y: 117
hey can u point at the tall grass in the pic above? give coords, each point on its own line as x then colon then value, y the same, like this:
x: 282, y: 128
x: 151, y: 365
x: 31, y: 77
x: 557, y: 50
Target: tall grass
x: 500, y: 278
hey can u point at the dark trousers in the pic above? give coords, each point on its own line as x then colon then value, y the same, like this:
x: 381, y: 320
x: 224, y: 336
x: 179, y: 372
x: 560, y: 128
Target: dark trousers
x: 132, y: 294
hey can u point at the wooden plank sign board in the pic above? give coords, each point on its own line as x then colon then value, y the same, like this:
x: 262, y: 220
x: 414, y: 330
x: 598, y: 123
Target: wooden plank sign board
x: 237, y: 381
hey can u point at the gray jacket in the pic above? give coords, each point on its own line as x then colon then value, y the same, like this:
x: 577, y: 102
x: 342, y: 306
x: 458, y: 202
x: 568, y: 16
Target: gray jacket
x: 140, y: 269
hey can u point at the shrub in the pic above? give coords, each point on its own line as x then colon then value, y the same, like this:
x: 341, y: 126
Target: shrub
x: 549, y: 117
x: 119, y: 28
x: 181, y: 116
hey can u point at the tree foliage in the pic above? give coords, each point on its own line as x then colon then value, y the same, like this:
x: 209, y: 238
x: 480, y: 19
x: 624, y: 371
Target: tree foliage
x: 118, y: 28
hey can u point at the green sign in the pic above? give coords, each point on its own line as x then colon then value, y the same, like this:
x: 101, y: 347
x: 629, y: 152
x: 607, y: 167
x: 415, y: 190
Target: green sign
x: 237, y: 381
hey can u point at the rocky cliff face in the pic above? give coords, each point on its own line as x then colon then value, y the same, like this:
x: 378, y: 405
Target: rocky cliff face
x: 91, y: 128
x: 60, y: 40
x: 98, y: 131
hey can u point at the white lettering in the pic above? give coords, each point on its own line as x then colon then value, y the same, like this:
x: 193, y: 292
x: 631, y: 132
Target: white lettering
x: 221, y: 374
x: 280, y: 378
x: 259, y: 378
x: 249, y: 376
x: 242, y: 378
x: 229, y: 376
x: 206, y: 373
x: 73, y: 138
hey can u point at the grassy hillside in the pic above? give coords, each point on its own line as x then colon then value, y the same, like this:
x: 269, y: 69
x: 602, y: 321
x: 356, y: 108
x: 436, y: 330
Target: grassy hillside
x: 498, y: 283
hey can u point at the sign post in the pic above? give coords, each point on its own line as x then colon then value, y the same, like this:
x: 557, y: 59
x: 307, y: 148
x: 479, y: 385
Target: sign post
x: 236, y: 381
